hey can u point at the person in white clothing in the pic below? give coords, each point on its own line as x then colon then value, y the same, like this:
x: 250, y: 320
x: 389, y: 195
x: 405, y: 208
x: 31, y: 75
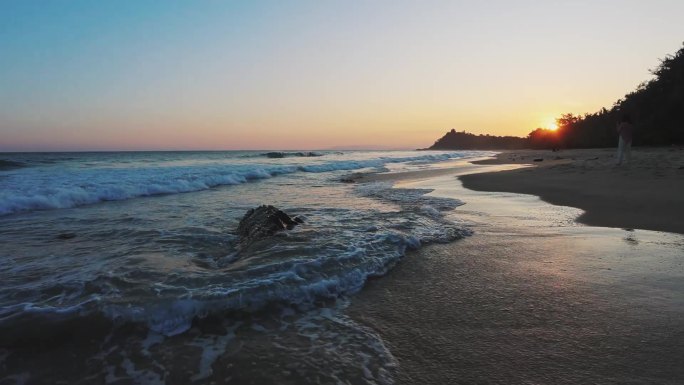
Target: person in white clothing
x: 625, y: 131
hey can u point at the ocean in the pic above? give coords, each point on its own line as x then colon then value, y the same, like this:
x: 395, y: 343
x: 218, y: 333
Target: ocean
x: 125, y: 267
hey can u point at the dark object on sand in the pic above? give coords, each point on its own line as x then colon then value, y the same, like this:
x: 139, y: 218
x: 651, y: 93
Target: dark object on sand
x: 539, y: 159
x: 66, y: 236
x: 263, y: 222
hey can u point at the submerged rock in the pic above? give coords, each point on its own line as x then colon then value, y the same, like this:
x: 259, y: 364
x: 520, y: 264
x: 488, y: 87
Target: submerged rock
x: 263, y: 222
x: 278, y: 154
x: 275, y: 154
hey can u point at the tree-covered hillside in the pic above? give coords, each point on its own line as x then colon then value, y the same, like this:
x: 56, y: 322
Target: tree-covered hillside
x: 656, y: 107
x: 453, y: 140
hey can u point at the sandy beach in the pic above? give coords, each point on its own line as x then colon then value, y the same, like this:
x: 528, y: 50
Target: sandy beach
x: 535, y: 296
x: 647, y: 194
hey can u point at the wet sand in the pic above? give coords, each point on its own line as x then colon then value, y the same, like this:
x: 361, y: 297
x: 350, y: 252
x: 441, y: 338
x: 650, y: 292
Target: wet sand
x: 647, y: 194
x: 531, y: 297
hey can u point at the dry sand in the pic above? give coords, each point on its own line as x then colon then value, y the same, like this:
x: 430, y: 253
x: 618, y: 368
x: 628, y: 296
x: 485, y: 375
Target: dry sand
x: 533, y: 297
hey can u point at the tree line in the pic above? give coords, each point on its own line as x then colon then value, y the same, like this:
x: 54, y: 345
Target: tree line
x: 656, y: 108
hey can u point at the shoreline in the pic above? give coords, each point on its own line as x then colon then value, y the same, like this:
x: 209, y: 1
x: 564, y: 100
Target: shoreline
x: 647, y: 194
x: 531, y: 297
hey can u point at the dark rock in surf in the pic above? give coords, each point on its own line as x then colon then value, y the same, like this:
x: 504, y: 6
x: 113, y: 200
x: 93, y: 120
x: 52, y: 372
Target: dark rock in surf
x: 263, y: 222
x: 275, y: 155
x: 278, y: 154
x: 10, y: 165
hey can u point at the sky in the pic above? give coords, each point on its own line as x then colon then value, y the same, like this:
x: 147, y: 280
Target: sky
x: 214, y: 75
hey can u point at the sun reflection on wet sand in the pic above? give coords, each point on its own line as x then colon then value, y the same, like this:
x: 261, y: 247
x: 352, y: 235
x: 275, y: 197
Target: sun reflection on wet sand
x: 532, y: 297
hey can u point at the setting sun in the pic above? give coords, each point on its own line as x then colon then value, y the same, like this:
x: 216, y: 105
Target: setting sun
x: 551, y: 125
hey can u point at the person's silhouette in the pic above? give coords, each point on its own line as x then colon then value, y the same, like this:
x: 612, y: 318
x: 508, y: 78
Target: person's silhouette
x: 625, y: 131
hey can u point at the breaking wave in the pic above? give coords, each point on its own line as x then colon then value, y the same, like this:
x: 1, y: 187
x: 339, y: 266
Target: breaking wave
x: 332, y: 256
x: 39, y: 190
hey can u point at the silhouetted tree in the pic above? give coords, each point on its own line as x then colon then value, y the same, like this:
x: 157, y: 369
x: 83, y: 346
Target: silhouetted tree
x: 543, y: 138
x: 655, y: 106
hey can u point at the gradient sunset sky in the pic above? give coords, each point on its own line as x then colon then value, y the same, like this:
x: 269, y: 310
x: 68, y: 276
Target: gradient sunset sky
x: 144, y: 75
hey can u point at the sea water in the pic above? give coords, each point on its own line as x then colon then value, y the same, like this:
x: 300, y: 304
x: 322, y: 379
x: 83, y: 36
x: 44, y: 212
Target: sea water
x: 125, y: 267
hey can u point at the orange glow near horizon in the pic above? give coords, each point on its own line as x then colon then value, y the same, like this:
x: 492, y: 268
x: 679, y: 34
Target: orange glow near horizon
x: 313, y: 75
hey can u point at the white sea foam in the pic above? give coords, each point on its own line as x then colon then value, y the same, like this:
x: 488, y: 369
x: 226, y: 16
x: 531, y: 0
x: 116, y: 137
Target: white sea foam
x: 176, y: 264
x: 54, y: 188
x: 212, y: 347
x: 333, y: 260
x: 330, y: 272
x: 285, y: 286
